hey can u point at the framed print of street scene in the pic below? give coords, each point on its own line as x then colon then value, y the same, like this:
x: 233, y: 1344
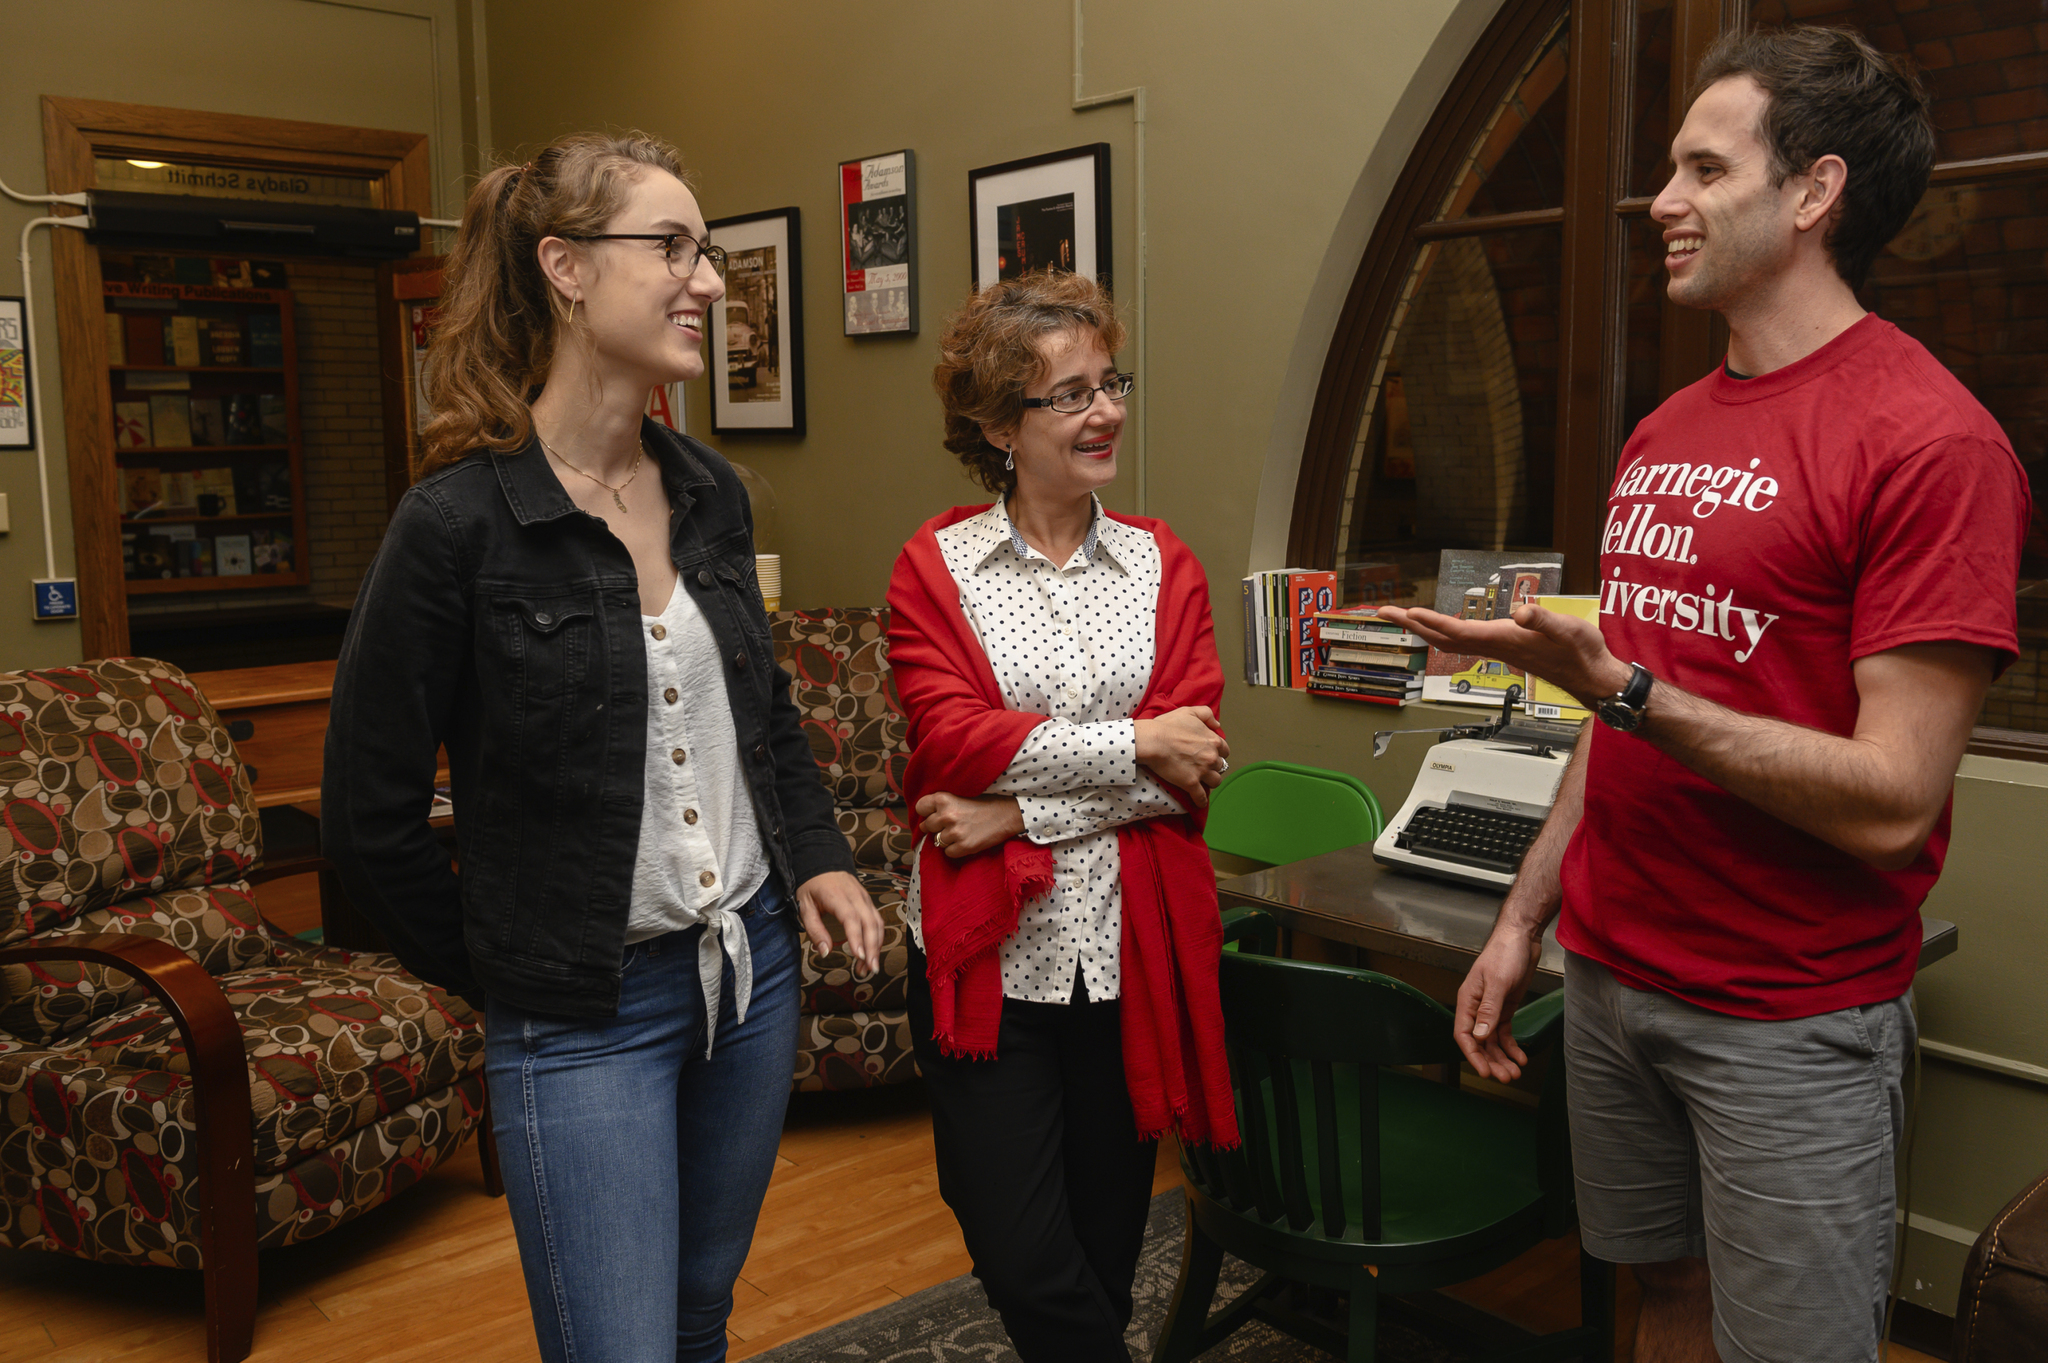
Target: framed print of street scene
x: 757, y: 356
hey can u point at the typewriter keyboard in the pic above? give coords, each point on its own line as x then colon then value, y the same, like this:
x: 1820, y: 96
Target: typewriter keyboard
x: 1469, y: 836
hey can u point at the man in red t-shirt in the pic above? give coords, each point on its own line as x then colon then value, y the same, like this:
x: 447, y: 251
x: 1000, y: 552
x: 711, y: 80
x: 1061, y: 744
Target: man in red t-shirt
x: 1807, y: 584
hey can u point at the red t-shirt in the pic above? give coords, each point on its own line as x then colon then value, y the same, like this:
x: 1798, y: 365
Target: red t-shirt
x: 1762, y: 535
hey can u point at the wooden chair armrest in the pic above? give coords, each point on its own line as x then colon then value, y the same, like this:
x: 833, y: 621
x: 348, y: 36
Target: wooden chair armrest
x: 220, y: 1086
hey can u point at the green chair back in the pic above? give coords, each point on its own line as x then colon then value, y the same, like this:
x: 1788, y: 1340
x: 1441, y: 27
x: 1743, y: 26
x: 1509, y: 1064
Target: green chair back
x: 1360, y: 1176
x: 1278, y: 812
x: 1313, y: 1056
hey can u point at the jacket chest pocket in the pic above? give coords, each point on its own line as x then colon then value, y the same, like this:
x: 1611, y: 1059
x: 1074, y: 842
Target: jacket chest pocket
x: 546, y: 641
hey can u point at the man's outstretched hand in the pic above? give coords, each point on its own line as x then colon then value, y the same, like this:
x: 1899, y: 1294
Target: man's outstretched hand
x: 1562, y: 649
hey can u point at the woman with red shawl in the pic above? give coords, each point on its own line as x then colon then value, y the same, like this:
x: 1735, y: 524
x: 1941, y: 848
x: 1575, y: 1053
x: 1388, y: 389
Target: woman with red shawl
x: 1059, y: 670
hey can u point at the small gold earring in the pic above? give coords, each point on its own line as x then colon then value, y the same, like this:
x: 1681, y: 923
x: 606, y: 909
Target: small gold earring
x: 572, y: 313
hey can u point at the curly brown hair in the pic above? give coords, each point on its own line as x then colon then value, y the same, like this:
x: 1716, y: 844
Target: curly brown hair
x: 988, y: 356
x: 500, y: 318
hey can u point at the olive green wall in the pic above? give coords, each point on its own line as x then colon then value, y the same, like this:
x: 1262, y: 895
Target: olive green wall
x: 403, y: 65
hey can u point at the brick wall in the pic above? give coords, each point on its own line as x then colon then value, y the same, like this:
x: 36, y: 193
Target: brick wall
x: 341, y: 421
x: 1464, y: 404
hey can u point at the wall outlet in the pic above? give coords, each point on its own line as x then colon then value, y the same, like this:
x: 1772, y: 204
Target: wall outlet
x: 56, y: 598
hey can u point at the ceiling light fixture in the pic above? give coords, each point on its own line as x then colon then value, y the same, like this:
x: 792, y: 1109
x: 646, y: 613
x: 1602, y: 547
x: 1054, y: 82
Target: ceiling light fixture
x: 146, y: 165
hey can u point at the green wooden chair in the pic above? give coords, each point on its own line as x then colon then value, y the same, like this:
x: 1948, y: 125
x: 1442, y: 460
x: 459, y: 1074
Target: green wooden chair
x: 1278, y: 812
x: 1364, y: 1179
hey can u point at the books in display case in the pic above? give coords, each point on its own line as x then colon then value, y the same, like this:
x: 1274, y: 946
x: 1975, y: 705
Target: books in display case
x: 202, y: 384
x: 207, y: 422
x: 170, y: 421
x: 231, y: 556
x: 131, y: 425
x: 239, y: 422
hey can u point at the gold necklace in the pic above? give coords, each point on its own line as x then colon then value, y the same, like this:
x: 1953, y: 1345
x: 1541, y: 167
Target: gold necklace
x: 617, y: 500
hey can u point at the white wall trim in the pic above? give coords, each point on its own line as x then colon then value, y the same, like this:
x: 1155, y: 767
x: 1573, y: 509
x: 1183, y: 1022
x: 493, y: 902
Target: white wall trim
x: 1461, y: 31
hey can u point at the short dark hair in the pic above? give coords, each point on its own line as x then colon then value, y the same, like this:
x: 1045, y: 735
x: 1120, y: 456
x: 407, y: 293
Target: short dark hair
x: 1829, y: 92
x: 989, y: 355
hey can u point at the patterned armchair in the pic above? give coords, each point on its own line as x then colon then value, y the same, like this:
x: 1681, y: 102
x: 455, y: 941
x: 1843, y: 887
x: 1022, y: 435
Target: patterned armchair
x: 180, y: 1082
x: 855, y: 1033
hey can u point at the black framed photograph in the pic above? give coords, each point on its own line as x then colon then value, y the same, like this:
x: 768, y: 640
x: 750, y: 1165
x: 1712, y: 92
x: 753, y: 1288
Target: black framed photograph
x: 17, y: 417
x: 1050, y: 210
x: 878, y: 244
x: 757, y: 356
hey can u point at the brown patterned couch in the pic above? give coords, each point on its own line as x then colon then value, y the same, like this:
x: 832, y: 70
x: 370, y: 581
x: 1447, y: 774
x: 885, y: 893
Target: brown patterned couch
x: 152, y: 1023
x: 855, y: 1033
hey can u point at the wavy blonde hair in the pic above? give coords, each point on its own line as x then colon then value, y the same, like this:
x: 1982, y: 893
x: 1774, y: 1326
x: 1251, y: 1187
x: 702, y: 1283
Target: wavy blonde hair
x: 500, y: 319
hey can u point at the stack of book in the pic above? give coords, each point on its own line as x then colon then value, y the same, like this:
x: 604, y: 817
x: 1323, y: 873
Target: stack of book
x: 1362, y: 657
x: 1279, y: 638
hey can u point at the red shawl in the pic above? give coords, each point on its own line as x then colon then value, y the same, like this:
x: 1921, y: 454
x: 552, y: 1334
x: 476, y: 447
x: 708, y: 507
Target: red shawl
x: 962, y: 738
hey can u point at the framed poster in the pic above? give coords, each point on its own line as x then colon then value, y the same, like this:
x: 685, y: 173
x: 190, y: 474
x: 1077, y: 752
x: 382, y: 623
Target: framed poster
x: 757, y: 357
x: 1050, y: 210
x: 878, y: 243
x: 17, y: 423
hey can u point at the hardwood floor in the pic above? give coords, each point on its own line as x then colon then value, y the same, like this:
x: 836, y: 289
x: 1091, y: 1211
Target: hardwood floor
x: 852, y: 1221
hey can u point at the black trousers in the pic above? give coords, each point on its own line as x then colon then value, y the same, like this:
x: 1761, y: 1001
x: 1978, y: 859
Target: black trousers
x: 1040, y: 1160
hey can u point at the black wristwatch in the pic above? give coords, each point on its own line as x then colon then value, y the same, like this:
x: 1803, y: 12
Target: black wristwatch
x: 1624, y: 709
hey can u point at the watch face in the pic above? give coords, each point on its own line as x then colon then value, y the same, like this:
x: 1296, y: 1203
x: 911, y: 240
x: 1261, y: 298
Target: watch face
x: 1616, y: 715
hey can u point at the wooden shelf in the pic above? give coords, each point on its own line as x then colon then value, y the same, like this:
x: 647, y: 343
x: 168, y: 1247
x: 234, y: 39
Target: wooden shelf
x: 150, y: 586
x: 200, y: 449
x: 196, y: 368
x: 180, y: 518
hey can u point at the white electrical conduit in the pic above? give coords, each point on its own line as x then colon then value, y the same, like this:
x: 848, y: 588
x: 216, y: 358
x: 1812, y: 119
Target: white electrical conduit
x: 35, y: 370
x: 1135, y: 97
x: 35, y: 364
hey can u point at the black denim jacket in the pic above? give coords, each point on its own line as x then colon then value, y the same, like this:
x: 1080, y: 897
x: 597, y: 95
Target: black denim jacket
x: 501, y: 620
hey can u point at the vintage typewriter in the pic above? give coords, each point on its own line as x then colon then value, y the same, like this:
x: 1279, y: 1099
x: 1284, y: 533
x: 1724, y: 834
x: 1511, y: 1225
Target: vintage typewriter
x: 1483, y: 792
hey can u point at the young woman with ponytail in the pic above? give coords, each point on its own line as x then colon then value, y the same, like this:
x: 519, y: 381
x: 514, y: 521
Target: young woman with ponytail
x: 565, y: 602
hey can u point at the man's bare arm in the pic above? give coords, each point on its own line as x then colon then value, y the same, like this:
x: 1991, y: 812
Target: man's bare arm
x: 1494, y: 986
x: 1874, y: 794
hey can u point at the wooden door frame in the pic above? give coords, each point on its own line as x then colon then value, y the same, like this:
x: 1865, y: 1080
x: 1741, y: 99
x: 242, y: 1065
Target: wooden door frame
x: 75, y: 131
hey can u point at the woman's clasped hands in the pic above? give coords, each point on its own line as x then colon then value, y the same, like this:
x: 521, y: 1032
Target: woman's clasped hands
x: 1185, y: 748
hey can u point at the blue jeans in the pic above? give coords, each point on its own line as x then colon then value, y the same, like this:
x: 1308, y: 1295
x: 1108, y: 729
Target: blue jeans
x: 634, y: 1167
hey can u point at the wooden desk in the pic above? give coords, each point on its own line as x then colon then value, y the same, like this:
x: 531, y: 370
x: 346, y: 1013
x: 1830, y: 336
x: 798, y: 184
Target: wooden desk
x: 1346, y: 896
x: 278, y: 719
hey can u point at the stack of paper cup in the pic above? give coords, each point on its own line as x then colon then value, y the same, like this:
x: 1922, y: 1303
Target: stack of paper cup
x: 768, y: 568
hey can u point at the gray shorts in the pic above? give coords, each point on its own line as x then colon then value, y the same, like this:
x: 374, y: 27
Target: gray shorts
x: 1763, y: 1147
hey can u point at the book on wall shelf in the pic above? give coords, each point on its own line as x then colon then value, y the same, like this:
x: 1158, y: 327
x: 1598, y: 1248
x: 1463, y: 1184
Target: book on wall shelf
x: 1279, y: 646
x: 203, y: 373
x: 1361, y: 657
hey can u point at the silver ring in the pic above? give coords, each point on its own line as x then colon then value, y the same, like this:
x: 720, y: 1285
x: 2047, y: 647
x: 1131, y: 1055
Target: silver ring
x: 1222, y: 766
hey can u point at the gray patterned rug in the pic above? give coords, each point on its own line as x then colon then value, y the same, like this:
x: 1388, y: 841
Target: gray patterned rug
x: 952, y: 1323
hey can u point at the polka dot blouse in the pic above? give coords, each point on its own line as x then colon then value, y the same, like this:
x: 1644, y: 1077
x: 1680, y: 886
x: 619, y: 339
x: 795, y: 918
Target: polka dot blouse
x: 1074, y: 642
